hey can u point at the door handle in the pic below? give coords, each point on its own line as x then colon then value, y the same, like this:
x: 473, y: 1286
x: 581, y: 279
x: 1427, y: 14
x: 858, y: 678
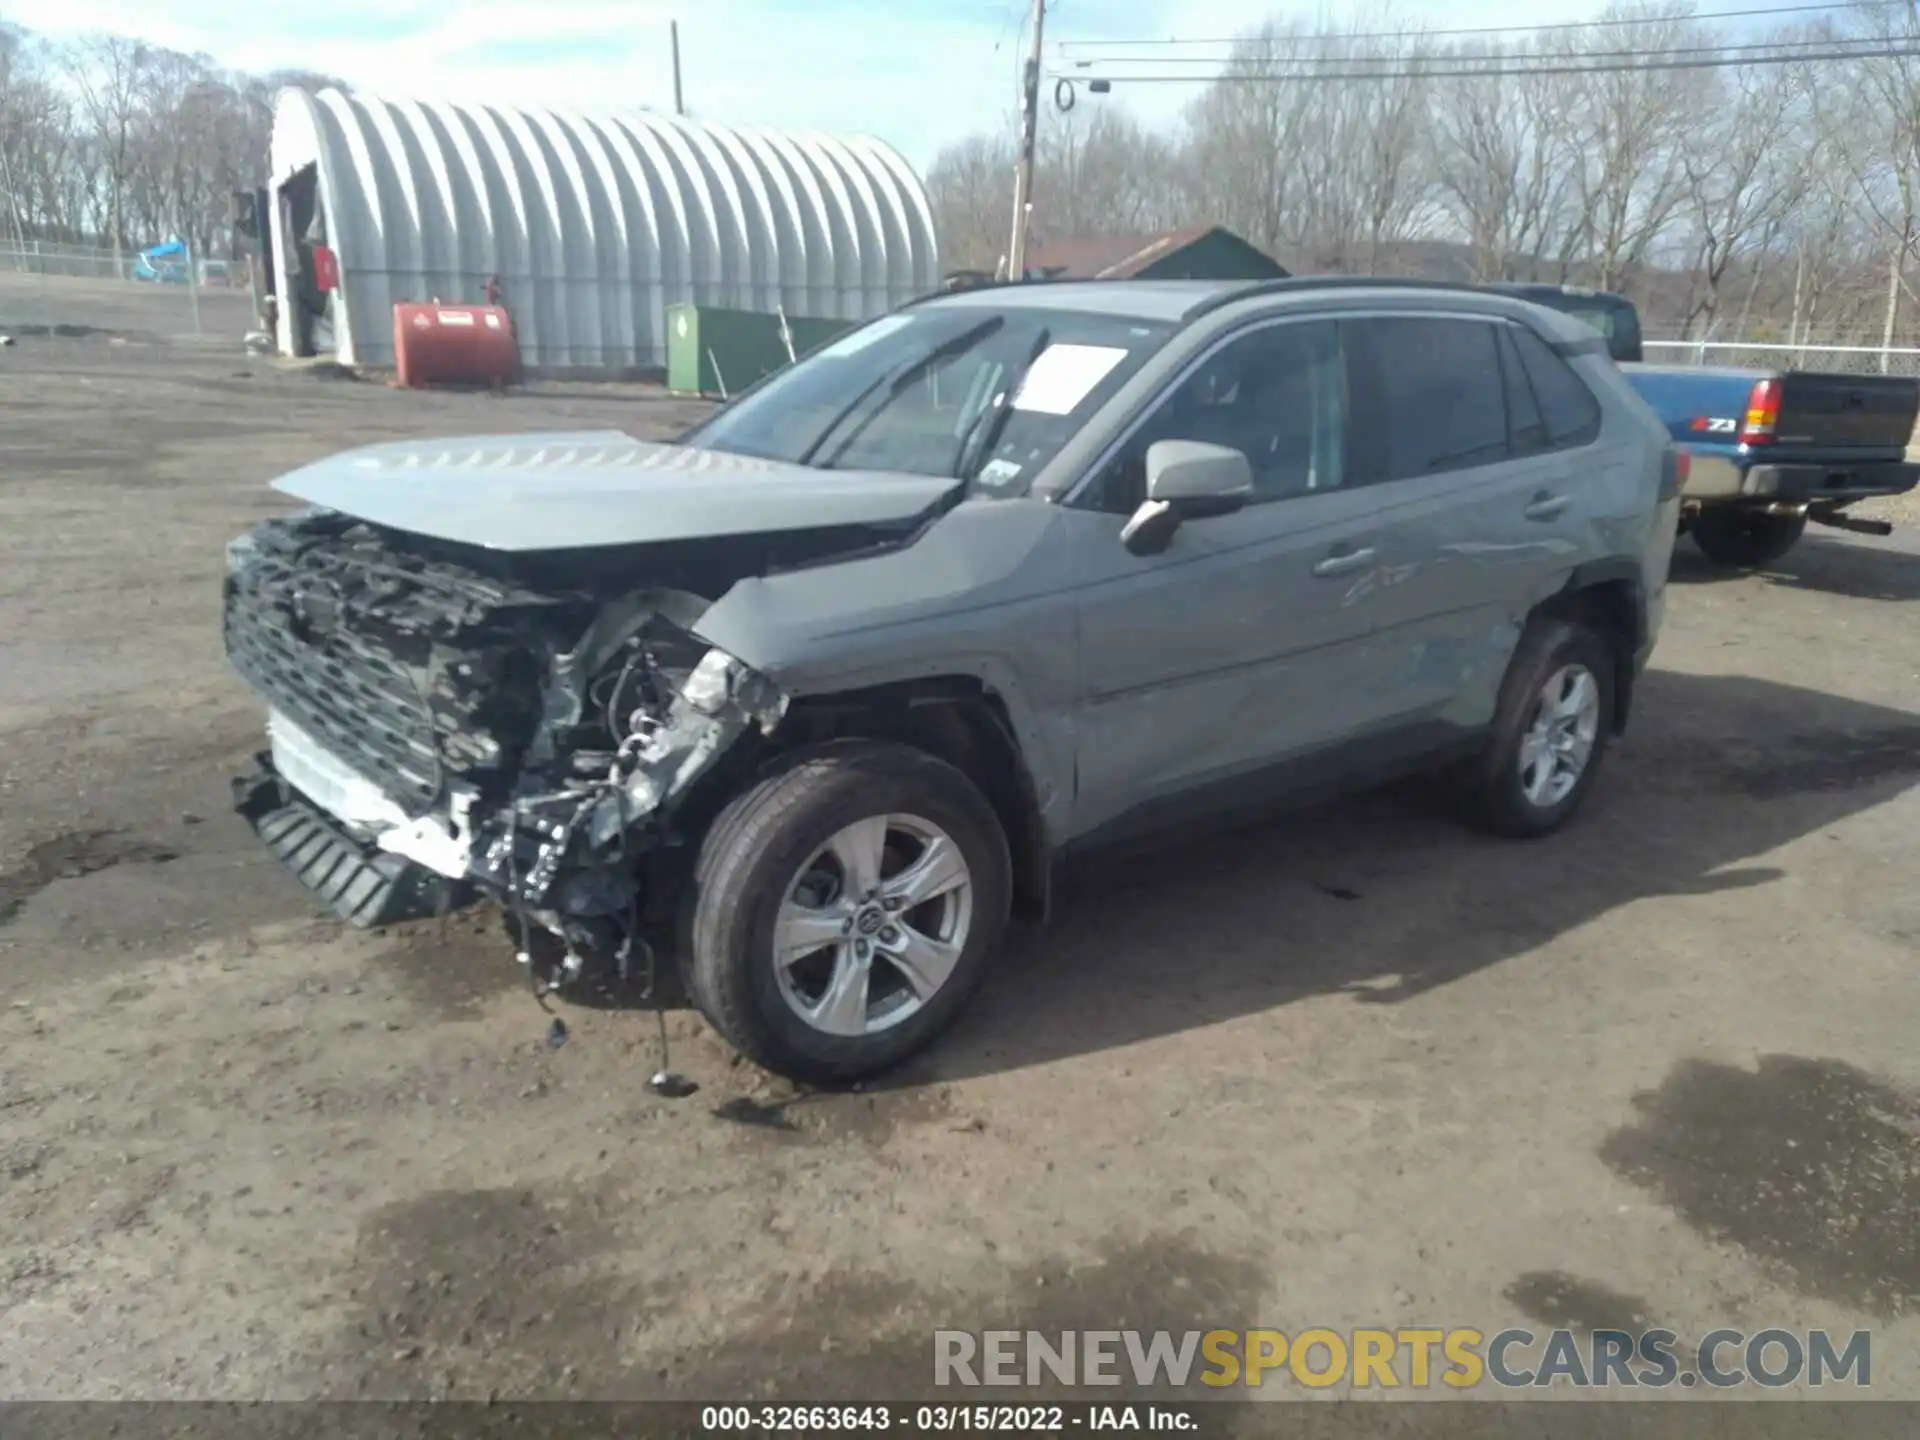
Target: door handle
x: 1546, y: 506
x: 1341, y: 562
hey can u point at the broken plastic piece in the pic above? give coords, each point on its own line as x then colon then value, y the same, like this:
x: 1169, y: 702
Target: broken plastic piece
x: 672, y: 1085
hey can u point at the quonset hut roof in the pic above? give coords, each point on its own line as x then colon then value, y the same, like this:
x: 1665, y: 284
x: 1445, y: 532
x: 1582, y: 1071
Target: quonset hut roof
x: 595, y: 223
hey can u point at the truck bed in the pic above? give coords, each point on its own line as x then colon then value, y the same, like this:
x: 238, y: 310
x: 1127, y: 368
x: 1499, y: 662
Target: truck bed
x: 1823, y: 416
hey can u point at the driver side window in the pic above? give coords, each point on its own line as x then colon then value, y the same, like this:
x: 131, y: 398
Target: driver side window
x: 1277, y: 395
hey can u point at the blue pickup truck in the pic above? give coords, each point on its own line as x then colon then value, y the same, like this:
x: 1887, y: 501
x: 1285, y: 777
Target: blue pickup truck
x: 1768, y: 450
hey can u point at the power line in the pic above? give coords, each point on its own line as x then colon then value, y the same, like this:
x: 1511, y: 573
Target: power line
x: 1564, y: 25
x: 1431, y: 72
x: 1446, y: 57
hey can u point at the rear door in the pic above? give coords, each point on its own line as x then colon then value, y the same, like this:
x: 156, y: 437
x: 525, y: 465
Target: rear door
x: 1478, y: 510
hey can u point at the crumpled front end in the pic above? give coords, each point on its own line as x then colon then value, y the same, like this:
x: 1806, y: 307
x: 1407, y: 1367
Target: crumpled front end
x: 445, y: 725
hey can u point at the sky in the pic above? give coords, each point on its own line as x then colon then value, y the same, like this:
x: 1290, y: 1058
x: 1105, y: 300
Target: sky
x: 916, y: 73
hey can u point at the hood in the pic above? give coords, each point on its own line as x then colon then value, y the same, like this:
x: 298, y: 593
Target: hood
x: 598, y: 488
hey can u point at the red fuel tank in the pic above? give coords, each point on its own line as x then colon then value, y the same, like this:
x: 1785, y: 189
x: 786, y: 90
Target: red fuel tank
x: 454, y: 344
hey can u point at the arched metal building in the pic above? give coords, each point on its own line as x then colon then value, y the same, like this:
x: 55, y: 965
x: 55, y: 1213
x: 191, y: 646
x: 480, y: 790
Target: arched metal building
x: 594, y: 224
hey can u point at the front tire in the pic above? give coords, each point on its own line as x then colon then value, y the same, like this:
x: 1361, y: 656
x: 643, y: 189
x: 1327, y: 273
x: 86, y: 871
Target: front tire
x: 1744, y: 539
x: 844, y: 910
x: 1549, y: 732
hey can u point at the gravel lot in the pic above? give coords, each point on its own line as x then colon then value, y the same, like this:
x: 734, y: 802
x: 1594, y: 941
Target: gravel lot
x: 1357, y: 1067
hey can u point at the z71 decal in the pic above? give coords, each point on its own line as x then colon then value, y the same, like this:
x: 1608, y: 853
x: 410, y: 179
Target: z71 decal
x: 1715, y: 426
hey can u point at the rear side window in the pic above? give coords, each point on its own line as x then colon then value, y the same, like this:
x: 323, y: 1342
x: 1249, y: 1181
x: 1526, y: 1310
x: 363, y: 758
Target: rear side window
x: 1571, y: 413
x: 1443, y: 394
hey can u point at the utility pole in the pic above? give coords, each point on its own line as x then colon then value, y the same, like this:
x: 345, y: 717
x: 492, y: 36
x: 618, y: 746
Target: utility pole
x: 1023, y: 172
x: 673, y: 29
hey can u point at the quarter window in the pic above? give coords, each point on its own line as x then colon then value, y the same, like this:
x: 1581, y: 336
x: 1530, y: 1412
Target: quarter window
x: 1572, y: 414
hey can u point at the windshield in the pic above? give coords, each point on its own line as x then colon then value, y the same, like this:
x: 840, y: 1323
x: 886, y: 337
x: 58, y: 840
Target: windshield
x: 986, y: 395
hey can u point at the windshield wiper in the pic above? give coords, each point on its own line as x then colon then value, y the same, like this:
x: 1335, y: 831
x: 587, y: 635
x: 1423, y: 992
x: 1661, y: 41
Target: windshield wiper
x: 895, y: 382
x: 999, y: 414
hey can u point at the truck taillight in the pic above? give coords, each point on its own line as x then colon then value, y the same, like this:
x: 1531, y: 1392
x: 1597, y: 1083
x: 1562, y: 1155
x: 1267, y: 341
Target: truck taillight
x: 1763, y: 413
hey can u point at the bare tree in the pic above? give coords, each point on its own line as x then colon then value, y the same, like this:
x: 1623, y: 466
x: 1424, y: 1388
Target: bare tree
x: 1634, y: 125
x: 1501, y: 156
x: 971, y: 185
x: 1104, y: 173
x: 110, y: 75
x: 1745, y: 169
x: 1873, y: 126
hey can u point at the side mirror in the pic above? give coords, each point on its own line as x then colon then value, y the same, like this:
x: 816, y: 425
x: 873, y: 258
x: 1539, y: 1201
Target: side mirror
x: 1186, y: 480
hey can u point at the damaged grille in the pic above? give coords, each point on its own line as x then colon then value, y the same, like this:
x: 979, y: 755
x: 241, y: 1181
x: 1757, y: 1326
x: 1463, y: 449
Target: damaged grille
x: 407, y: 666
x: 362, y: 706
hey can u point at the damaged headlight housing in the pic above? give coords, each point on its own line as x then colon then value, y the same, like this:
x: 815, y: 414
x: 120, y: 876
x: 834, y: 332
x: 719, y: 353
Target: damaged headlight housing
x: 720, y: 699
x: 710, y: 687
x: 720, y: 683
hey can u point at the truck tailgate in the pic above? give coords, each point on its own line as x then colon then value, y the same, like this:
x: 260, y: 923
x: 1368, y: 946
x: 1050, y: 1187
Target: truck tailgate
x: 1846, y: 412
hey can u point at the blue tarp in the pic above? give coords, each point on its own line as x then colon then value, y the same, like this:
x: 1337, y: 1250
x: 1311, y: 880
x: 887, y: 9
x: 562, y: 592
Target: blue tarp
x: 165, y: 262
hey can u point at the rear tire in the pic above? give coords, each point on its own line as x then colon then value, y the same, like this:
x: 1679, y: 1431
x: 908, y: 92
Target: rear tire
x: 1549, y: 733
x: 844, y: 909
x: 1745, y: 539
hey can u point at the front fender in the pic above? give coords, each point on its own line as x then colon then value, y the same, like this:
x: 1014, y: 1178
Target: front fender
x: 985, y: 594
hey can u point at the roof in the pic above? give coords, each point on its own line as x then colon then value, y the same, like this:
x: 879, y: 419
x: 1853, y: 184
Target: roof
x: 1179, y: 301
x: 1110, y: 257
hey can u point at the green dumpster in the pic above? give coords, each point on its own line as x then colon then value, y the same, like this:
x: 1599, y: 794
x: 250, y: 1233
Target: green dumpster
x: 716, y: 351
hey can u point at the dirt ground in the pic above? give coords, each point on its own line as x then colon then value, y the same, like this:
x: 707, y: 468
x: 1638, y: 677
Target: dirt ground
x: 1354, y: 1068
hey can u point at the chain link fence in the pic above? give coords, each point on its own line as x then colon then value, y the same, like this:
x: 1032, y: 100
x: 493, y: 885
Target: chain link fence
x: 50, y: 257
x: 1847, y: 359
x: 45, y: 283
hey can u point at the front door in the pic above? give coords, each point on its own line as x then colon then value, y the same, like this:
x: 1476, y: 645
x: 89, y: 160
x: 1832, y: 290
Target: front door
x: 1239, y: 655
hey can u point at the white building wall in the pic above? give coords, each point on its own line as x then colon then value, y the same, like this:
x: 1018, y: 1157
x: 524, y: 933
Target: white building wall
x: 595, y: 223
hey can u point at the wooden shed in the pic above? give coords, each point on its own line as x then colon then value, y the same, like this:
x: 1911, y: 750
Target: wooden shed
x: 1198, y: 252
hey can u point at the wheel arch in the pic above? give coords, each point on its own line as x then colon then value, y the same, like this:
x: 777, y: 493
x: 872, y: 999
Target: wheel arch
x: 958, y: 719
x: 1610, y: 596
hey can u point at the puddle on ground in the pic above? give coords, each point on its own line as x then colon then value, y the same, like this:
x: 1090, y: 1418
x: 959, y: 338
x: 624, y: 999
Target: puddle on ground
x: 69, y: 857
x: 1810, y: 1166
x: 452, y: 967
x: 871, y: 1336
x: 1563, y: 1301
x: 1803, y: 764
x: 513, y: 1292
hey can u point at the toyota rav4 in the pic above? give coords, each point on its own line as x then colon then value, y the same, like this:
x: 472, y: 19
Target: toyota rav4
x: 818, y: 695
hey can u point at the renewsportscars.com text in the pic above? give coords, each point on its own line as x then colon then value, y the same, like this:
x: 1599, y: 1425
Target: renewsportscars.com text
x: 1382, y: 1359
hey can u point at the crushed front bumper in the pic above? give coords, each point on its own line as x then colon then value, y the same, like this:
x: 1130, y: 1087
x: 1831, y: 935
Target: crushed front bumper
x: 564, y: 858
x: 359, y: 882
x: 359, y: 853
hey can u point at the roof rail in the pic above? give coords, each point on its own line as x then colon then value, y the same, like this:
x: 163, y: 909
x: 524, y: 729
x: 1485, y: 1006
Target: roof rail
x: 1009, y: 284
x: 1294, y: 283
x: 1291, y: 284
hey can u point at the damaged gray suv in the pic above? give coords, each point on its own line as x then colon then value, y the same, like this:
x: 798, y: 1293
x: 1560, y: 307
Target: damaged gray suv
x: 818, y: 695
